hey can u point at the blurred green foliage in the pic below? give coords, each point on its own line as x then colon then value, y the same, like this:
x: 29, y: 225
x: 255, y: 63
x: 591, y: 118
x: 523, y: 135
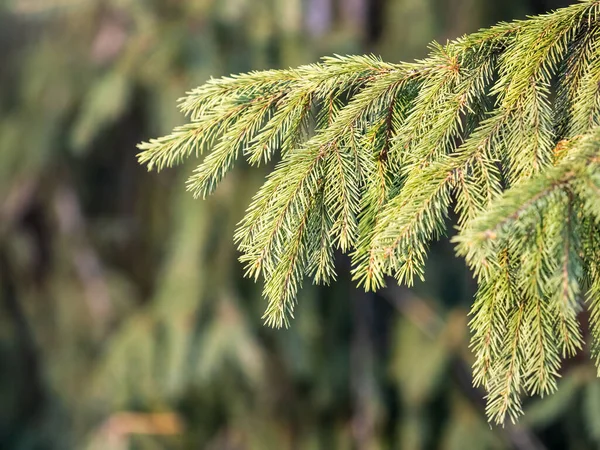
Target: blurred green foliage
x: 124, y: 318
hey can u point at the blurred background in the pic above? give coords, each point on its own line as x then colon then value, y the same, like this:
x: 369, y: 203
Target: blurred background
x: 125, y: 322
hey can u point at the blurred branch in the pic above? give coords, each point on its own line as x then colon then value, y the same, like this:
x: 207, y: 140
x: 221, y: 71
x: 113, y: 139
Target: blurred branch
x: 32, y: 400
x: 361, y: 374
x: 86, y: 261
x: 16, y: 202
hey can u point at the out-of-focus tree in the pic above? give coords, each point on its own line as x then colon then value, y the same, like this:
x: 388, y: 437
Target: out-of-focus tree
x: 124, y: 318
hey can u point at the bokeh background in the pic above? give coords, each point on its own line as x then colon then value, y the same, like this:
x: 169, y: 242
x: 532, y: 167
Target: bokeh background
x: 125, y: 322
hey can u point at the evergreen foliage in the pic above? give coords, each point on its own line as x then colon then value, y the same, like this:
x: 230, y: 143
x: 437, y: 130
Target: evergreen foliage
x: 500, y: 125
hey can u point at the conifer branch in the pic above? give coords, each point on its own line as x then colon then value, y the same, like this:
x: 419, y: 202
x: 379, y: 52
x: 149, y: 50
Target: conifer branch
x: 503, y: 123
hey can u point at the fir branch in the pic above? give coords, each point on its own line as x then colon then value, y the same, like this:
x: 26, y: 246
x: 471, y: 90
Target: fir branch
x: 564, y: 285
x: 373, y: 156
x: 543, y: 360
x: 507, y: 370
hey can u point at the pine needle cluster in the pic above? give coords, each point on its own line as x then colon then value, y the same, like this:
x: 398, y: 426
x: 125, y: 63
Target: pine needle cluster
x: 501, y: 125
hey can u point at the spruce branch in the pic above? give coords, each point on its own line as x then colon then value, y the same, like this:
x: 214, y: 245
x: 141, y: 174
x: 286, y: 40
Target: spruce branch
x: 502, y: 125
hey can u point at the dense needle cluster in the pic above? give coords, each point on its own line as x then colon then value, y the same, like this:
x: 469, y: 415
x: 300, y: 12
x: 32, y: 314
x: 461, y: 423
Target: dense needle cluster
x: 500, y: 125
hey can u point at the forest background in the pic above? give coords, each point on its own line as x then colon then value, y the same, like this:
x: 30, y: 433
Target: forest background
x: 125, y: 322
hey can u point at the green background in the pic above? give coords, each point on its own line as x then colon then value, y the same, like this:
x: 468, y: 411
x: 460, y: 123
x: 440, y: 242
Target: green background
x: 125, y: 322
